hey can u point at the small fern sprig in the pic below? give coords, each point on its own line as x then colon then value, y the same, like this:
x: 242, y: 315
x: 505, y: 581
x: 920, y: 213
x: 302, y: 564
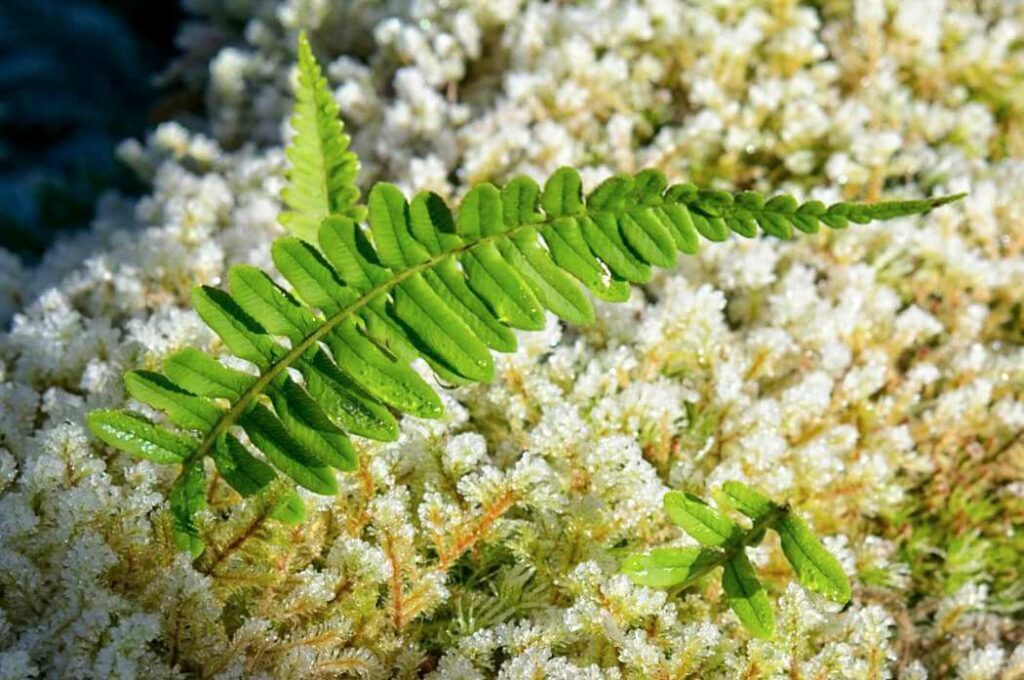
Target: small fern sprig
x: 724, y: 544
x: 332, y: 354
x: 322, y: 176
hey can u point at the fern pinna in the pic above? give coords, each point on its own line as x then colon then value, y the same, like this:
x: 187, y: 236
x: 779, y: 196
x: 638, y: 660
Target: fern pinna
x: 333, y: 353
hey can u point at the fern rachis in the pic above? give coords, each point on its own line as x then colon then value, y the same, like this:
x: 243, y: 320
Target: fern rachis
x: 419, y: 282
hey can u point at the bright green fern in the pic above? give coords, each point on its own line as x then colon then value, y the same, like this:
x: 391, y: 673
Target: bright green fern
x: 332, y: 354
x: 724, y: 543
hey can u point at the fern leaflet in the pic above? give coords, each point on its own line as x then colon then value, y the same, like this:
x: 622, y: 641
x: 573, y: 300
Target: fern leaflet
x: 332, y: 354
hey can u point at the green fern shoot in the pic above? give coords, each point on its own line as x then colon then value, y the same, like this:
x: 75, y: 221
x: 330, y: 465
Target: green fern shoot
x: 724, y: 543
x: 322, y: 177
x: 332, y: 353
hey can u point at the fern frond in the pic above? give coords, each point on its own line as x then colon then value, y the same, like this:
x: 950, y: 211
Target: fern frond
x: 333, y: 353
x: 321, y: 179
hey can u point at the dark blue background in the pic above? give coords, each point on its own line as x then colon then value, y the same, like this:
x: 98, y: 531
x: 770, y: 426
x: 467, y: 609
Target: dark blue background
x: 76, y: 78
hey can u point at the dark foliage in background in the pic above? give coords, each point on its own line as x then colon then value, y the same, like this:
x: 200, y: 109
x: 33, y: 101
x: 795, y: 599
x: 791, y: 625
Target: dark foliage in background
x: 76, y: 77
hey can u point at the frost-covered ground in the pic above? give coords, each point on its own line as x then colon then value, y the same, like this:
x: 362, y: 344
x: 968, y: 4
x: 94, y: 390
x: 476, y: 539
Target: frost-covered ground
x: 874, y: 377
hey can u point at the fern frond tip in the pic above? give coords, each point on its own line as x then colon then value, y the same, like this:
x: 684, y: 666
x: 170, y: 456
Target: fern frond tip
x: 322, y: 173
x: 945, y: 200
